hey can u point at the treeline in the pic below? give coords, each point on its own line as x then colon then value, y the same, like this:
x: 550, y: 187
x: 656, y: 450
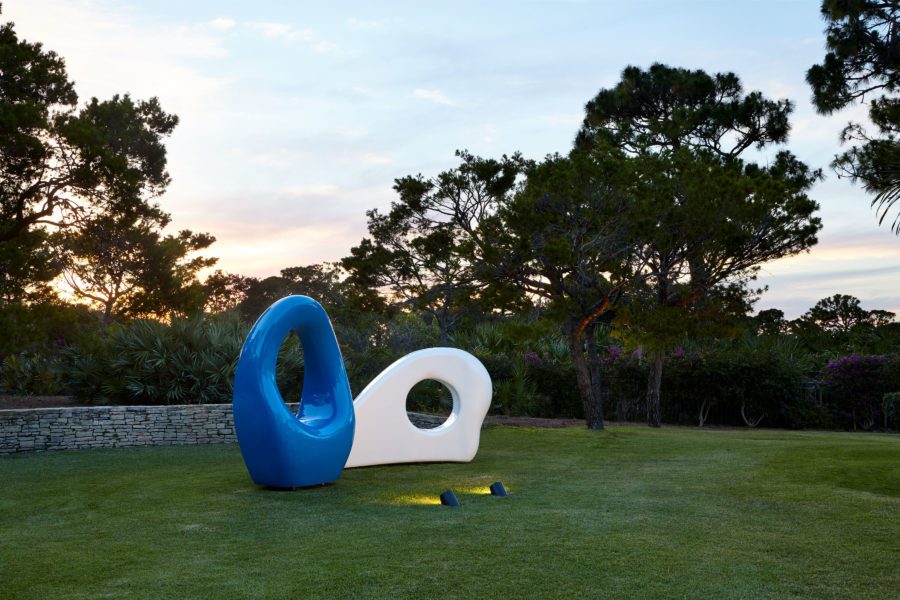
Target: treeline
x: 832, y: 368
x: 614, y: 280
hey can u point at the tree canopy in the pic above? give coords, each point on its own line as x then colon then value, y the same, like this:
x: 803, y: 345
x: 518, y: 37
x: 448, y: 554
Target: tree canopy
x: 705, y: 218
x: 420, y: 251
x: 123, y: 265
x: 77, y: 190
x: 862, y: 64
x: 59, y: 162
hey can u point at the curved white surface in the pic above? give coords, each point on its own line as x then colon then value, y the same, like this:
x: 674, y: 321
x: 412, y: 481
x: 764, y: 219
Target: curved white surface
x: 384, y: 434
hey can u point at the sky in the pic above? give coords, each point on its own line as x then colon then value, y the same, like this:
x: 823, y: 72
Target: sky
x: 295, y: 118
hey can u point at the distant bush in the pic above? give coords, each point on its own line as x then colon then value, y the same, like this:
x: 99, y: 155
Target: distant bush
x: 856, y: 387
x: 759, y: 381
x: 767, y: 380
x: 553, y: 386
x: 751, y: 382
x: 42, y: 327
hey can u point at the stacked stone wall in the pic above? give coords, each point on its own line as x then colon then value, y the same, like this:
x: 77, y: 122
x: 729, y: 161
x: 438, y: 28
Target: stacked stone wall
x: 72, y: 428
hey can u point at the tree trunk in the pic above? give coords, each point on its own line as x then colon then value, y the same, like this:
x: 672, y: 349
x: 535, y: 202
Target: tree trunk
x: 441, y: 318
x: 705, y: 407
x: 654, y: 383
x: 593, y: 409
x: 595, y: 369
x: 107, y: 312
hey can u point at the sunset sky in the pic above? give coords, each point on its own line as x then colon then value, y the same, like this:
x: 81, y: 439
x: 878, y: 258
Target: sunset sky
x: 296, y: 117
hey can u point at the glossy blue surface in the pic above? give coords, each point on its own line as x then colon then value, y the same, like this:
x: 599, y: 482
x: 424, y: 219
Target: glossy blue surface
x: 282, y: 450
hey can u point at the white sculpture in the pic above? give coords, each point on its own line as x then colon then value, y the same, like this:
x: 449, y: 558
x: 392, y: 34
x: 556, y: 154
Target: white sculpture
x: 384, y: 433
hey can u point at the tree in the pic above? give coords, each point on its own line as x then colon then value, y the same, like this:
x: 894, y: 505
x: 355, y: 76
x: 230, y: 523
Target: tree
x: 504, y: 233
x: 841, y: 314
x: 122, y: 263
x: 327, y: 283
x: 418, y: 250
x: 862, y: 60
x: 226, y: 291
x: 60, y: 164
x: 27, y: 265
x: 565, y: 238
x: 769, y: 322
x: 706, y: 219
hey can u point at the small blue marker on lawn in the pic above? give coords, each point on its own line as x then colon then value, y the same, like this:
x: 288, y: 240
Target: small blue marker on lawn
x: 448, y: 498
x: 497, y: 489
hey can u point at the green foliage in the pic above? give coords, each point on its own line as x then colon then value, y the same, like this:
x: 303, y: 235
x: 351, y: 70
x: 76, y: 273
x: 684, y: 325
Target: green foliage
x: 890, y: 406
x: 841, y: 314
x: 92, y: 172
x: 124, y: 266
x: 552, y: 393
x: 668, y: 108
x: 421, y: 251
x: 288, y: 370
x: 44, y: 326
x: 704, y: 219
x: 517, y: 394
x: 485, y: 338
x: 28, y: 374
x: 863, y: 60
x: 225, y: 291
x: 744, y: 382
x: 27, y: 264
x: 57, y: 162
x: 148, y: 362
x: 856, y: 387
x: 429, y: 397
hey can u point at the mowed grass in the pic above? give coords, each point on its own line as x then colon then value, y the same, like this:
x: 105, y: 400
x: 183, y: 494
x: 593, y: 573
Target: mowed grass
x: 629, y: 512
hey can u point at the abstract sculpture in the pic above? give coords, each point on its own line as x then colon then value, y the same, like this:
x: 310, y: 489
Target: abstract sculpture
x: 384, y: 434
x: 279, y: 449
x: 330, y: 431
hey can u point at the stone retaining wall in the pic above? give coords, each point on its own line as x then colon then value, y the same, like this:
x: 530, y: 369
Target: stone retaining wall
x: 30, y: 430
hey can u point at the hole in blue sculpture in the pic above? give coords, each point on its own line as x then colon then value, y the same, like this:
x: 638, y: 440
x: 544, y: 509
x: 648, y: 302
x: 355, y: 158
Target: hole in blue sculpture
x: 289, y: 370
x: 432, y: 400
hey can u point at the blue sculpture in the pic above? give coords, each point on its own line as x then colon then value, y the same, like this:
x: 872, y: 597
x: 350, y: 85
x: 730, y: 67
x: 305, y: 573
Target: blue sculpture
x: 282, y: 450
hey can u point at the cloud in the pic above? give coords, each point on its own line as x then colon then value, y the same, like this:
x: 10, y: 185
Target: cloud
x: 281, y: 31
x: 280, y: 160
x: 316, y: 190
x: 436, y: 96
x: 263, y: 250
x: 109, y: 50
x: 222, y: 24
x: 285, y: 31
x: 825, y: 277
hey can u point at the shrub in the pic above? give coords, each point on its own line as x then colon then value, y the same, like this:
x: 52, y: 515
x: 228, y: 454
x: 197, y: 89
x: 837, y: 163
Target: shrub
x: 148, y: 362
x: 363, y: 366
x: 41, y: 328
x: 553, y: 386
x: 746, y: 382
x: 891, y: 410
x: 856, y: 386
x: 28, y: 373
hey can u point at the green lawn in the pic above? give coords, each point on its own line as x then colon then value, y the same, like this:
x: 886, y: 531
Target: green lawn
x: 630, y: 512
